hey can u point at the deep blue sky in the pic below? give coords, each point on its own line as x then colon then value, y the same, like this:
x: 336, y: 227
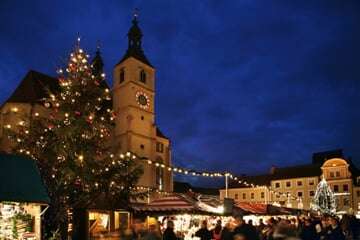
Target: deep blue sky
x: 240, y: 85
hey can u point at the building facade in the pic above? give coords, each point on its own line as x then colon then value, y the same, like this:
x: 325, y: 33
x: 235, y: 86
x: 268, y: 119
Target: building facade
x: 296, y: 186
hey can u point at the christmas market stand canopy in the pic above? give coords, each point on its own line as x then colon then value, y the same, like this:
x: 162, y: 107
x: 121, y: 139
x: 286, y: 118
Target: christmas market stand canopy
x: 175, y: 204
x: 268, y: 209
x: 20, y: 180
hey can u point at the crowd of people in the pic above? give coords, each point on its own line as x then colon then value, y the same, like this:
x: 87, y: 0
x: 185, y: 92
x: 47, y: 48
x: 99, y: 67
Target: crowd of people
x: 273, y: 228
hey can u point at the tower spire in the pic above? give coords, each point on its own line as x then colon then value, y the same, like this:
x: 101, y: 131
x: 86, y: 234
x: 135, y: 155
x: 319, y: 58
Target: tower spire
x: 98, y: 62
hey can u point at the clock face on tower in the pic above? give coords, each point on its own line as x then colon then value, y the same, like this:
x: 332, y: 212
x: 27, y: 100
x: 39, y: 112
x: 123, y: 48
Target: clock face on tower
x: 142, y: 100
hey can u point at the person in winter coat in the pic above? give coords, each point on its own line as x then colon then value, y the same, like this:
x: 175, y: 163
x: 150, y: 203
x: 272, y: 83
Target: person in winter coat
x: 333, y: 231
x: 169, y: 231
x: 217, y: 230
x: 204, y: 233
x: 308, y: 231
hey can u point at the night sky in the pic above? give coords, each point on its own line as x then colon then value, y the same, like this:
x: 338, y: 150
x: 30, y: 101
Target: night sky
x: 240, y: 85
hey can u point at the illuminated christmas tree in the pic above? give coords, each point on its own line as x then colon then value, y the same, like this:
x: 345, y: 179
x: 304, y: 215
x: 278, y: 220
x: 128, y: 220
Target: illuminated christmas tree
x: 324, y: 200
x: 71, y: 141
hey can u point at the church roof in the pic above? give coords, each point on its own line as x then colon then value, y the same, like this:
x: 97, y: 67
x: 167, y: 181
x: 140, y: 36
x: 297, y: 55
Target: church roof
x: 159, y: 133
x: 32, y: 88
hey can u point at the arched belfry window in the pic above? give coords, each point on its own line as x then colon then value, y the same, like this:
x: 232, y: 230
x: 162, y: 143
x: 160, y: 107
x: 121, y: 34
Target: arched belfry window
x: 122, y: 75
x: 159, y: 174
x: 142, y: 76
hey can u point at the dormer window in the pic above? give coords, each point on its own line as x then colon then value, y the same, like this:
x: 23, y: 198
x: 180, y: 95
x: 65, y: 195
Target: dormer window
x: 142, y: 76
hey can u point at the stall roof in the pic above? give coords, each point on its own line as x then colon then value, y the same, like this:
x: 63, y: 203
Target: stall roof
x: 20, y: 180
x: 173, y: 203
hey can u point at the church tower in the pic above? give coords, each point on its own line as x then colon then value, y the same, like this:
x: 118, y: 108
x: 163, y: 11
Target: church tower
x: 134, y: 104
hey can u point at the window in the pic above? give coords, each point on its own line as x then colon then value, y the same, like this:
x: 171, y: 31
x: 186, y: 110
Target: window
x: 345, y: 188
x: 311, y: 182
x: 142, y: 117
x: 142, y: 76
x: 277, y: 185
x: 337, y: 174
x: 311, y: 193
x: 288, y: 184
x: 358, y: 193
x: 122, y: 75
x: 159, y: 174
x: 332, y: 174
x: 244, y: 196
x: 142, y: 146
x: 159, y: 147
x: 252, y: 195
x: 300, y: 194
x: 299, y: 183
x: 336, y: 188
x: 262, y: 195
x: 346, y: 202
x: 236, y: 196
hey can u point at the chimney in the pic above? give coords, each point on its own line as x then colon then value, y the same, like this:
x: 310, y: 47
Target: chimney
x: 272, y: 169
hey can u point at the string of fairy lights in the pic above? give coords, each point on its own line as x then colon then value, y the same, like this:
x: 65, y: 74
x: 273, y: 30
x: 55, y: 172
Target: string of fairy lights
x: 203, y: 174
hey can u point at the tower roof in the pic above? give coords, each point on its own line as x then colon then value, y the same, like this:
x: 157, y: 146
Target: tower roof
x: 134, y: 44
x: 98, y: 62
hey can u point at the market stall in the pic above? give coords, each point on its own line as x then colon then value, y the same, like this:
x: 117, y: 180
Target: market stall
x: 23, y: 198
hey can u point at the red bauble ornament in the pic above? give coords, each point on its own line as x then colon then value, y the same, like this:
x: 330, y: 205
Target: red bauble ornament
x: 78, y: 182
